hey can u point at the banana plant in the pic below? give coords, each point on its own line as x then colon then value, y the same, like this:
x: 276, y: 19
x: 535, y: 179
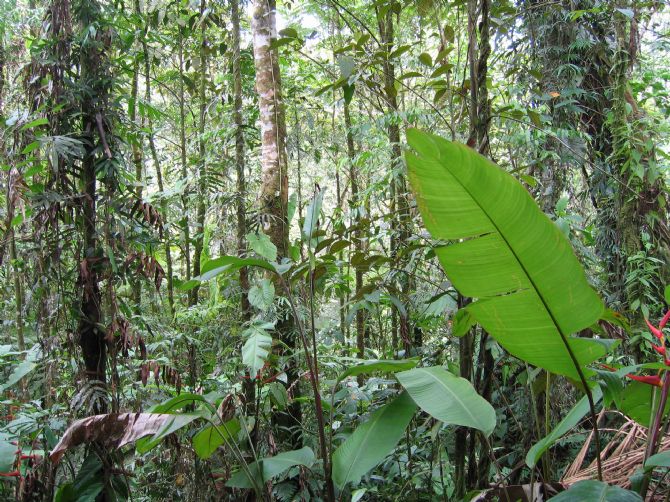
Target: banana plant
x: 530, y: 291
x: 496, y: 246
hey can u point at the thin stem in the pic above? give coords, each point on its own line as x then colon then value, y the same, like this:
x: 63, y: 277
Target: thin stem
x: 312, y: 367
x: 654, y: 431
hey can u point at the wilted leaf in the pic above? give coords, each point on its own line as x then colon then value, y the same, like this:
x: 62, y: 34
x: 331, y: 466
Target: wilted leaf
x: 112, y: 431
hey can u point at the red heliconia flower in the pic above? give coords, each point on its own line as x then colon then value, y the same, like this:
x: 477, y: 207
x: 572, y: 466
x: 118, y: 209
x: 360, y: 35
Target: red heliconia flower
x: 665, y: 320
x: 648, y: 379
x: 658, y: 333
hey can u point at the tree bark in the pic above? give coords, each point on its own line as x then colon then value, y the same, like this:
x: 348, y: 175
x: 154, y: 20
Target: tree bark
x: 273, y: 197
x: 159, y: 173
x: 184, y: 222
x: 249, y: 386
x: 91, y: 338
x: 202, y: 151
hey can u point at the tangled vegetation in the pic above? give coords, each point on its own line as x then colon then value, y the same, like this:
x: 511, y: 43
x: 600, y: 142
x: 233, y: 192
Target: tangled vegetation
x: 334, y: 250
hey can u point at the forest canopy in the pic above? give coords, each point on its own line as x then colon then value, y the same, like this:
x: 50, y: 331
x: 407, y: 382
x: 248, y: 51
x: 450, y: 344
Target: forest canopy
x: 359, y: 250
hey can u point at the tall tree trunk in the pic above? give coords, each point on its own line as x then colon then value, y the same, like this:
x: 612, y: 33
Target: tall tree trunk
x: 273, y: 197
x: 184, y: 222
x: 399, y: 205
x: 479, y: 114
x: 199, y: 236
x: 91, y: 337
x: 240, y: 199
x: 137, y: 159
x: 356, y: 209
x: 159, y: 174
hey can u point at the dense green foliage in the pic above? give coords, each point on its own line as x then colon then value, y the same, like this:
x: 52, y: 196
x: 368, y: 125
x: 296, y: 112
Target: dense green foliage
x: 334, y: 250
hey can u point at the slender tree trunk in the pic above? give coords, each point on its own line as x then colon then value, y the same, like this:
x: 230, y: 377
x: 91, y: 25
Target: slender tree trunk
x: 137, y: 161
x: 91, y: 337
x: 466, y: 343
x: 240, y: 199
x: 357, y: 234
x: 159, y: 173
x: 202, y: 151
x: 399, y: 205
x: 184, y: 222
x: 18, y: 294
x: 273, y: 197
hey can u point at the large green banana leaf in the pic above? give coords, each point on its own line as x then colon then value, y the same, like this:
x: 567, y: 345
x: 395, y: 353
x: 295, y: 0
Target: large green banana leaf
x: 530, y: 290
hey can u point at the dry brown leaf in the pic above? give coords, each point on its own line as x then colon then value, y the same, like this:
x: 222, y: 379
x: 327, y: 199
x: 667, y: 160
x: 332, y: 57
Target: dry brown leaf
x: 113, y: 430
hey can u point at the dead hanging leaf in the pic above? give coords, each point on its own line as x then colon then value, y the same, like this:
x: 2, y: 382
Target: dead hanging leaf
x: 171, y: 376
x: 149, y: 214
x: 112, y: 431
x: 146, y: 266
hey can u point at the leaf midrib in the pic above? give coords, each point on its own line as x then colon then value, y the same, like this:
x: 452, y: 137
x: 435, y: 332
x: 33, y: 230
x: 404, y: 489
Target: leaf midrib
x: 516, y: 257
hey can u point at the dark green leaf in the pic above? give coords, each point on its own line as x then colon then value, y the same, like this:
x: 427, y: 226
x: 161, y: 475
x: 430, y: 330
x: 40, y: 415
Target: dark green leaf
x: 591, y: 490
x: 271, y: 467
x: 372, y: 441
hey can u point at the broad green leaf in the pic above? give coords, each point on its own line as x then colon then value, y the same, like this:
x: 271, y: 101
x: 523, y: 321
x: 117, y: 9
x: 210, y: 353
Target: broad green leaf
x: 564, y: 426
x: 347, y: 65
x: 596, y: 491
x: 288, y: 32
x: 425, y: 59
x: 187, y: 285
x: 35, y: 123
x: 171, y: 425
x: 230, y: 264
x: 89, y: 481
x: 206, y: 442
x: 262, y: 245
x: 636, y: 401
x: 256, y: 347
x: 65, y: 493
x: 7, y: 454
x: 666, y: 294
x: 271, y: 467
x: 21, y: 370
x: 462, y: 322
x: 659, y: 460
x: 449, y: 398
x: 176, y: 403
x: 223, y: 264
x: 262, y: 295
x: 372, y: 441
x: 390, y: 366
x: 531, y: 292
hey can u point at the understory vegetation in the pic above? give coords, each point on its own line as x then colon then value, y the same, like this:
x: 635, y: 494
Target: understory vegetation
x: 338, y: 250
